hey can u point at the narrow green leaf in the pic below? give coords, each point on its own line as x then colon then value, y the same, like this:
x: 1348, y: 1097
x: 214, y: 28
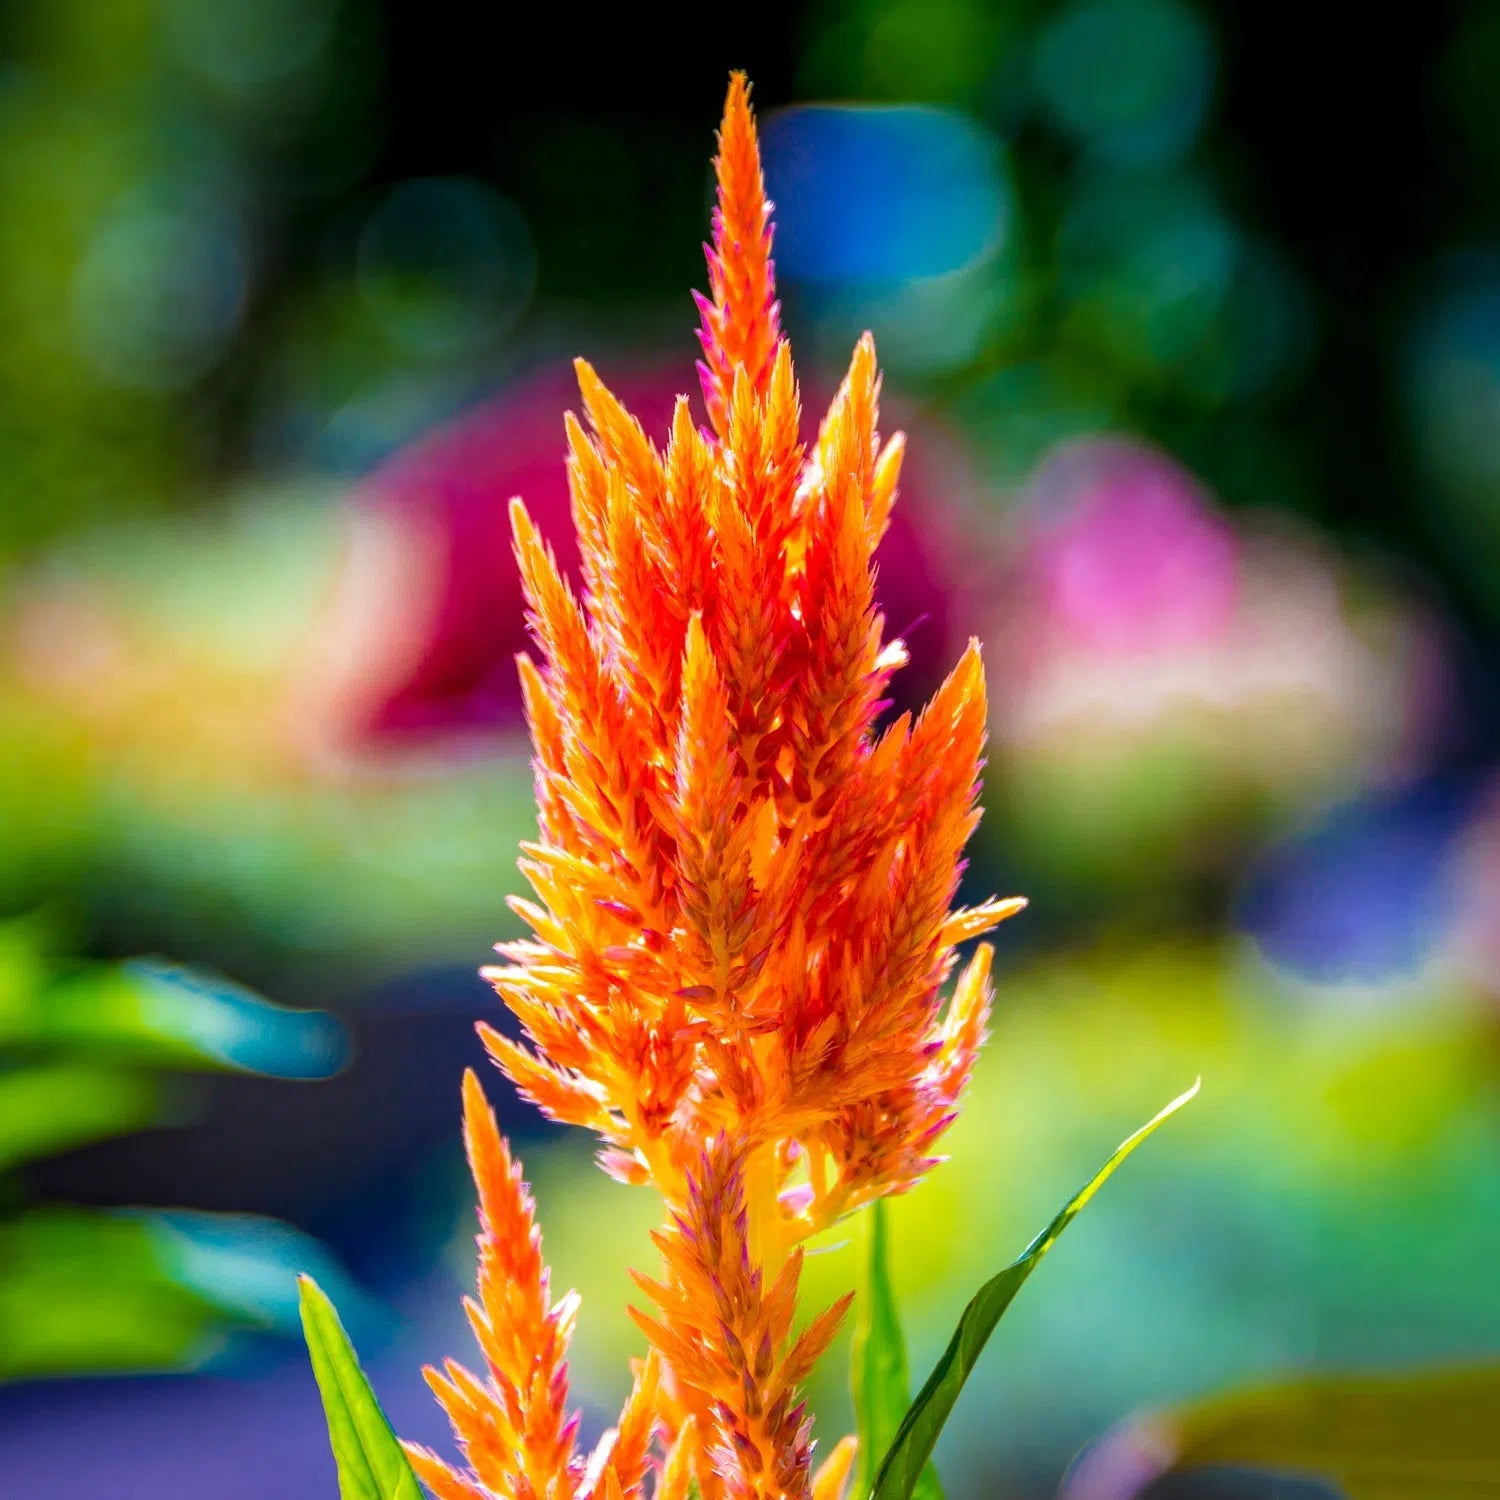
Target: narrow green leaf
x: 1377, y: 1437
x: 880, y: 1375
x: 84, y: 1292
x: 370, y: 1462
x: 161, y: 1015
x: 55, y: 1106
x: 918, y: 1435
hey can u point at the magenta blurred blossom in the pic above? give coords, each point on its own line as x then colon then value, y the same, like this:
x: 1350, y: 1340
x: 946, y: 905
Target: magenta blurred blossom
x: 1137, y: 611
x: 1127, y: 555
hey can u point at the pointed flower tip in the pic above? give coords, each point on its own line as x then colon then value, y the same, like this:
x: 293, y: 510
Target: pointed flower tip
x: 587, y: 376
x: 521, y: 527
x: 737, y: 98
x: 473, y: 1094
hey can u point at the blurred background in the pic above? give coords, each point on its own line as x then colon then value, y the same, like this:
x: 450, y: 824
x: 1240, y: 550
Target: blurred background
x: 1192, y: 314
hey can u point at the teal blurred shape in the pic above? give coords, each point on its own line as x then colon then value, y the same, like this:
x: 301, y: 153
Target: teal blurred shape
x: 1455, y: 375
x: 158, y: 293
x: 1452, y: 398
x: 1147, y: 267
x: 445, y: 265
x: 883, y: 194
x: 224, y: 1024
x: 1022, y: 410
x: 1129, y: 80
x: 924, y: 327
x: 1265, y: 332
x: 152, y: 1013
x: 245, y: 45
x: 247, y: 1266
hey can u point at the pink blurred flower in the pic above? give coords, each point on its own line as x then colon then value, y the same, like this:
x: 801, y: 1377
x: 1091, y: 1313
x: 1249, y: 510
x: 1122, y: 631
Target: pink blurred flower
x: 1127, y: 555
x: 1164, y: 659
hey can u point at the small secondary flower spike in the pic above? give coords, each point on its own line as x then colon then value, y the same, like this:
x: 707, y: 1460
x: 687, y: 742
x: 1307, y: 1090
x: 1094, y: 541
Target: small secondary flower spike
x: 743, y: 925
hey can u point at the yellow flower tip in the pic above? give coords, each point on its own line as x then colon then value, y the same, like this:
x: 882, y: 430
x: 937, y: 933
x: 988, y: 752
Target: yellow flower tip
x: 967, y: 676
x: 473, y: 1094
x: 521, y: 527
x: 833, y: 1473
x: 678, y: 1473
x: 598, y: 400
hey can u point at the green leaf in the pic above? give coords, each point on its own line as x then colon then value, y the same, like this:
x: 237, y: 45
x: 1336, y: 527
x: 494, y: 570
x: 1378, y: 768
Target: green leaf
x: 1377, y: 1437
x: 161, y: 1015
x: 370, y: 1462
x: 881, y: 1376
x: 90, y: 1292
x: 54, y: 1107
x: 902, y: 1466
x: 85, y: 1292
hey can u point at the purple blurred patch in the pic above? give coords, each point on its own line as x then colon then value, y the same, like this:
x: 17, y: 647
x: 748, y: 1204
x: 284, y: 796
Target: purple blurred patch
x: 1367, y: 896
x: 206, y: 1436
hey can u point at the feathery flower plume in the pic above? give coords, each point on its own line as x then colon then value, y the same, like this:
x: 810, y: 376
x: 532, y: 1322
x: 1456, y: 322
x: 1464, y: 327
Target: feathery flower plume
x: 743, y: 921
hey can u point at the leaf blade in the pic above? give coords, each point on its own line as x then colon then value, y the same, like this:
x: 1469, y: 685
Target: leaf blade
x: 371, y: 1464
x: 902, y: 1465
x: 54, y: 1106
x: 881, y: 1377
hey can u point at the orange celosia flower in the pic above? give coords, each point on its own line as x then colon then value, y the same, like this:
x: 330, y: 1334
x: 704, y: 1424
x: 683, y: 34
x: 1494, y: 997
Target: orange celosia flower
x: 743, y: 925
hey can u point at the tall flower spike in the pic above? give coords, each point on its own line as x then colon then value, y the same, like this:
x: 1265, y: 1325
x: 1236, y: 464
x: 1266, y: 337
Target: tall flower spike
x: 743, y: 924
